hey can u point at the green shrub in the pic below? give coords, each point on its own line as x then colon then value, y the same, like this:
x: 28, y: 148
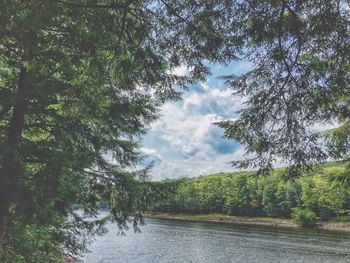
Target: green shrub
x: 326, y: 213
x: 304, y: 217
x: 345, y: 218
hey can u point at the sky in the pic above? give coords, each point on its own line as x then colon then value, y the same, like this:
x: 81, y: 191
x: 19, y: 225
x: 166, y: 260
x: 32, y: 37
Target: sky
x: 184, y: 141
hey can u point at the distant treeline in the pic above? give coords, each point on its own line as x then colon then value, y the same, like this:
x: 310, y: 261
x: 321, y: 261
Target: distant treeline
x: 322, y: 193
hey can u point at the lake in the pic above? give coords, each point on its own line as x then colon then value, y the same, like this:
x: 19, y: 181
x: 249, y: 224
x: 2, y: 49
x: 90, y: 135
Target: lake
x: 168, y: 241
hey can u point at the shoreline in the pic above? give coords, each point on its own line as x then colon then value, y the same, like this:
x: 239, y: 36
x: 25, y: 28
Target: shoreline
x: 266, y: 222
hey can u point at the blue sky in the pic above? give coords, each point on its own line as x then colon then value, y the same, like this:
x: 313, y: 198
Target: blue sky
x: 184, y: 141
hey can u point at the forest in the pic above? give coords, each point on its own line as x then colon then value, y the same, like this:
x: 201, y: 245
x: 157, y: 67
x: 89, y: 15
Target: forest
x: 83, y: 81
x: 315, y: 195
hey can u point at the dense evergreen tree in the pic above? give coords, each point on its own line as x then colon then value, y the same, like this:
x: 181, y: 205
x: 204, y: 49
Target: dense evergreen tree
x: 300, y: 78
x: 80, y: 81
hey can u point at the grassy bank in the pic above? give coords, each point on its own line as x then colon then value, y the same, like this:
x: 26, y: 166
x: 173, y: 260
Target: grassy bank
x: 250, y: 221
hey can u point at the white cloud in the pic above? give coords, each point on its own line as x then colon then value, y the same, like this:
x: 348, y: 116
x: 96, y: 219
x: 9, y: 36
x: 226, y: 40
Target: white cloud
x: 193, y: 143
x: 181, y: 70
x: 176, y: 167
x: 148, y: 151
x: 185, y: 138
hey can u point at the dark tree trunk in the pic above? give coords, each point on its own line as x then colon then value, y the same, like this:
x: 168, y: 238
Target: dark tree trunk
x: 10, y: 167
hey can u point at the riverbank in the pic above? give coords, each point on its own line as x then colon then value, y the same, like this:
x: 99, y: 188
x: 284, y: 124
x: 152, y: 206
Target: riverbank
x: 251, y: 221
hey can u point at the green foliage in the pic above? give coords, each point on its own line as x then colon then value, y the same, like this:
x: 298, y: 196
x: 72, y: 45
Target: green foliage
x: 304, y: 217
x: 245, y: 194
x: 270, y: 200
x: 324, y: 195
x: 80, y: 83
x: 31, y: 242
x: 326, y: 213
x: 164, y: 194
x: 187, y: 197
x: 299, y: 80
x: 344, y: 218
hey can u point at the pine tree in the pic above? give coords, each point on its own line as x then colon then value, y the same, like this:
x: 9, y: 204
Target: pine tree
x: 299, y: 83
x: 80, y: 82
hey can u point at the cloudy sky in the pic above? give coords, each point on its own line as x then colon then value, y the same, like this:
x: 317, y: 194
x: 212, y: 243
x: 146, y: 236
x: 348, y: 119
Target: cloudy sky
x: 184, y: 141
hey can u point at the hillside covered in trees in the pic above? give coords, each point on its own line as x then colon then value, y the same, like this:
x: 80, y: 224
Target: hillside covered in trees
x: 315, y: 195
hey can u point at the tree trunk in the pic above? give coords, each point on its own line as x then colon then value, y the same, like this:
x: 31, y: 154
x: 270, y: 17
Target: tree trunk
x: 10, y: 167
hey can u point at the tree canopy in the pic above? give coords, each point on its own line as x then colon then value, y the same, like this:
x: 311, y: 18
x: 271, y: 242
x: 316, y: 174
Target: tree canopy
x: 298, y: 85
x: 80, y: 82
x: 242, y: 194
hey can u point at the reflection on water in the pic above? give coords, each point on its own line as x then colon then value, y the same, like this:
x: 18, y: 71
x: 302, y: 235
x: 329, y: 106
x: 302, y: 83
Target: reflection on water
x: 176, y: 241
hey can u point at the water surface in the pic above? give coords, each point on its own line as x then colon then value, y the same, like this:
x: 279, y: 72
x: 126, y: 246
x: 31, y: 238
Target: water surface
x: 168, y: 241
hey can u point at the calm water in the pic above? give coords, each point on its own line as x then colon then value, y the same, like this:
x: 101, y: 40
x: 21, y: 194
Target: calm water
x: 175, y: 241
